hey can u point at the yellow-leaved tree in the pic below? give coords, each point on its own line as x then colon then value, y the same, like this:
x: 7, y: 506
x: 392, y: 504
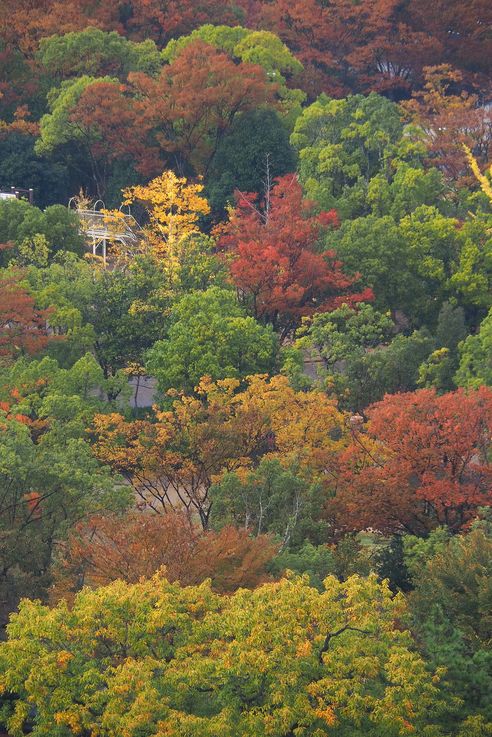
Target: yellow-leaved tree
x: 484, y: 181
x: 174, y: 207
x: 155, y: 658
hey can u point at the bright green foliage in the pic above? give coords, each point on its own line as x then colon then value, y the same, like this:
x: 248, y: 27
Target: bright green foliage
x: 271, y: 499
x: 56, y: 127
x: 67, y: 286
x: 95, y: 52
x: 408, y: 264
x: 129, y: 313
x: 338, y: 335
x: 472, y: 279
x: 21, y: 222
x: 475, y: 367
x: 254, y: 139
x: 65, y: 400
x: 155, y: 658
x: 342, y: 144
x: 211, y: 335
x: 118, y: 315
x: 195, y: 265
x: 419, y: 550
x: 404, y: 187
x: 360, y: 361
x: 222, y: 37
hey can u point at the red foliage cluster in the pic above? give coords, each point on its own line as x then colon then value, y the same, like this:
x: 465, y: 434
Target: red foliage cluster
x: 375, y: 44
x: 23, y: 327
x: 277, y: 263
x: 421, y: 462
x: 381, y: 45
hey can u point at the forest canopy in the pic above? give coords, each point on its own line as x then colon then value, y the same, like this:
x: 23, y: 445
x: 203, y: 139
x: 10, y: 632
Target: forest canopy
x: 245, y: 368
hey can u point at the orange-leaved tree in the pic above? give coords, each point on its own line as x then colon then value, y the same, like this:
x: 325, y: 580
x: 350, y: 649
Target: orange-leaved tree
x: 172, y: 458
x: 450, y: 119
x: 136, y: 545
x: 422, y: 461
x: 23, y: 327
x: 186, y: 111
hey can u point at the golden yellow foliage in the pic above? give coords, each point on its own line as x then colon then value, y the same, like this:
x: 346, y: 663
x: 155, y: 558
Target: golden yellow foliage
x: 174, y: 207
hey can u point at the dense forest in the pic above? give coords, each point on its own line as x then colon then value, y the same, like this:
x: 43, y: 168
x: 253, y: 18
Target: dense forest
x: 246, y: 368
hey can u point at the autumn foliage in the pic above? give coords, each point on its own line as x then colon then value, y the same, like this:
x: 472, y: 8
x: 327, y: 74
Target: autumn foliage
x: 422, y: 461
x: 186, y: 110
x: 23, y: 327
x: 172, y: 459
x: 138, y: 545
x: 277, y: 258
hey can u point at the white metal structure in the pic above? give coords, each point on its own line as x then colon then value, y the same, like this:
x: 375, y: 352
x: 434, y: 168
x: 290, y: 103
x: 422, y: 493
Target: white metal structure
x: 102, y: 228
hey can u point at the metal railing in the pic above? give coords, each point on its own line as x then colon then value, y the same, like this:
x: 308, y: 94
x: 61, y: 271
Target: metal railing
x: 101, y: 228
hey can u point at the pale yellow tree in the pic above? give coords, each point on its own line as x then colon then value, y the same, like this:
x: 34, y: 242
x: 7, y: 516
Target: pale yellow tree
x: 174, y: 209
x: 484, y: 181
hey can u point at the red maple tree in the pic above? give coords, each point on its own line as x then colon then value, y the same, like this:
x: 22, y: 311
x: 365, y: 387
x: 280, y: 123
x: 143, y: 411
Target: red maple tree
x: 23, y: 327
x: 276, y: 258
x: 422, y: 461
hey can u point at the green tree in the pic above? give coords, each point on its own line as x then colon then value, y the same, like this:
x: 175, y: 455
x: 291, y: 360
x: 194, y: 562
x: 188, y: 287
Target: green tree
x: 68, y: 287
x: 389, y: 369
x: 336, y: 336
x: 256, y: 147
x: 450, y: 608
x: 360, y: 359
x: 129, y: 312
x: 271, y: 499
x: 342, y: 145
x: 21, y: 222
x: 440, y: 367
x: 409, y: 264
x: 475, y: 367
x: 96, y: 53
x: 211, y: 335
x: 472, y: 277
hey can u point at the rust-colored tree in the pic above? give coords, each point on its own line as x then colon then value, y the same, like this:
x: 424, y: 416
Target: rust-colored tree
x: 422, y: 461
x: 104, y: 121
x: 277, y: 261
x: 351, y: 46
x: 23, y: 327
x: 185, y: 112
x: 137, y: 545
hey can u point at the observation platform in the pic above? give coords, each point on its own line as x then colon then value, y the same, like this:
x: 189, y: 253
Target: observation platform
x: 101, y: 229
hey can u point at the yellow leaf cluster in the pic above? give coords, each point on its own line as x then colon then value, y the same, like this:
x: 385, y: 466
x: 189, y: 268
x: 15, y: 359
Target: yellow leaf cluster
x: 483, y: 180
x: 173, y: 206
